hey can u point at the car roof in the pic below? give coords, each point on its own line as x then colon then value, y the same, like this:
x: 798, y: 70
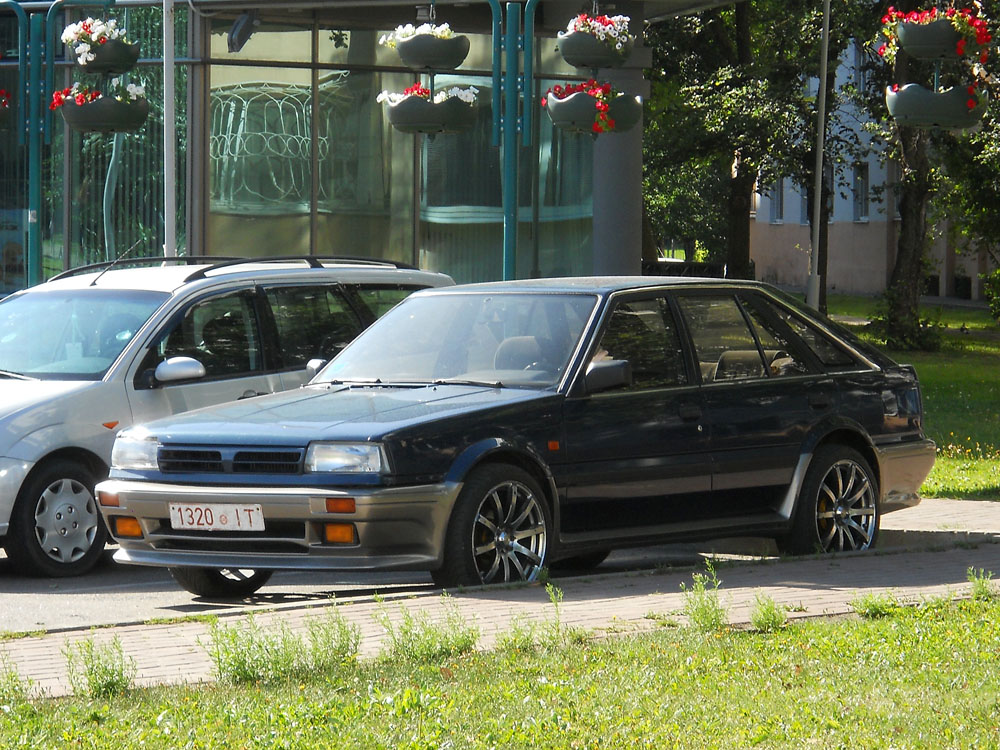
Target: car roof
x: 171, y: 275
x: 598, y: 284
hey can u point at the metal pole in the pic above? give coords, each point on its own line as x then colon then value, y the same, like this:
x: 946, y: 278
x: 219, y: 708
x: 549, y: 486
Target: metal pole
x: 510, y: 143
x: 35, y: 79
x: 497, y: 67
x: 528, y: 89
x: 812, y: 290
x: 169, y: 135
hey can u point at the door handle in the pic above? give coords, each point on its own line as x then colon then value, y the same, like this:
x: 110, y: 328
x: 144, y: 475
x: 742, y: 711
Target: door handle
x: 250, y: 393
x: 690, y: 412
x: 819, y: 400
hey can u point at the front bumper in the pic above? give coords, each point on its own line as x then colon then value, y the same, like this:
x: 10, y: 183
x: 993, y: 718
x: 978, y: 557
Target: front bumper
x: 398, y: 528
x: 12, y: 474
x: 903, y: 467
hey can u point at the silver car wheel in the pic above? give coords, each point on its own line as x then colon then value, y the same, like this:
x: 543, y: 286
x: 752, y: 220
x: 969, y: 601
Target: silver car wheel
x: 845, y: 508
x: 509, y: 534
x: 66, y: 520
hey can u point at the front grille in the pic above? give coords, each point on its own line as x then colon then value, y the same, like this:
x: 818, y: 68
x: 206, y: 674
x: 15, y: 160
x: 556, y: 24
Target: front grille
x: 189, y: 460
x: 267, y: 462
x: 229, y: 460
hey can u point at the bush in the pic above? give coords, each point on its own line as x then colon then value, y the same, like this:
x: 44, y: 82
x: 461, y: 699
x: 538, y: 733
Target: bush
x: 705, y: 612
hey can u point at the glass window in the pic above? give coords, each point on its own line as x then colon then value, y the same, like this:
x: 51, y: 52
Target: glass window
x: 221, y: 333
x: 643, y: 332
x: 860, y: 190
x: 515, y: 339
x: 312, y: 322
x: 70, y: 335
x: 778, y: 351
x: 827, y: 351
x: 724, y: 345
x: 777, y: 196
x: 379, y: 300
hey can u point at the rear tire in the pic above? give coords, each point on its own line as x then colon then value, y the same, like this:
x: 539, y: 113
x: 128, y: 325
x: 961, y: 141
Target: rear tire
x: 838, y: 506
x: 55, y: 528
x: 498, y: 530
x: 226, y: 583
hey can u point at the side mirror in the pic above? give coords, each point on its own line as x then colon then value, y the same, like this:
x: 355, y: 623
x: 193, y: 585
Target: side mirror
x: 608, y: 374
x: 314, y: 365
x: 179, y: 368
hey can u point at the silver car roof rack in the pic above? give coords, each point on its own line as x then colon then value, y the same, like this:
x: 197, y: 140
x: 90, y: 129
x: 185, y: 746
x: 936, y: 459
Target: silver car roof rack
x: 188, y: 260
x: 314, y: 261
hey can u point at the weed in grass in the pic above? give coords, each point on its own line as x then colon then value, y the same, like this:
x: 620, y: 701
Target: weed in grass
x: 14, y: 689
x: 983, y: 589
x: 99, y: 670
x: 767, y: 616
x: 544, y: 576
x: 520, y: 636
x: 702, y: 605
x: 416, y: 638
x: 873, y: 606
x: 332, y: 641
x: 661, y: 619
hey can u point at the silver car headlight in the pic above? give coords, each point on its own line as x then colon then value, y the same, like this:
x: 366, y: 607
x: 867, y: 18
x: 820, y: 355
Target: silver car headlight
x: 135, y: 449
x: 345, y: 457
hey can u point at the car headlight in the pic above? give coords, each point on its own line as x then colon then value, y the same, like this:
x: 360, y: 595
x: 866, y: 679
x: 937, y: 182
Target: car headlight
x: 345, y: 457
x: 134, y: 449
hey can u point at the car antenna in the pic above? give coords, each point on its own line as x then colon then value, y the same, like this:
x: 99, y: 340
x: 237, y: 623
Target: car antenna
x: 113, y: 263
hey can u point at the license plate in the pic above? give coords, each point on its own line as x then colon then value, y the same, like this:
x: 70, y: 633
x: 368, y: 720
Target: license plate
x: 216, y: 517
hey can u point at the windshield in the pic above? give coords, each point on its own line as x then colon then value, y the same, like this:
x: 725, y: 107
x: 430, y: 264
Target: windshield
x: 70, y: 334
x: 514, y: 339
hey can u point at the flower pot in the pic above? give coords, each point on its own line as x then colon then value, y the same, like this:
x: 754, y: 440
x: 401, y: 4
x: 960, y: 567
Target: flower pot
x: 917, y: 107
x: 429, y: 52
x: 581, y: 50
x: 929, y: 41
x: 114, y: 56
x: 577, y: 112
x: 415, y: 114
x: 105, y: 115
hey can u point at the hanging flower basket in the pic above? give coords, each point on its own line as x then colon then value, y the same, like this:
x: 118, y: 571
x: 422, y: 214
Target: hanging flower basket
x: 952, y: 109
x: 123, y: 109
x: 929, y: 41
x: 413, y: 111
x: 591, y: 107
x: 428, y: 47
x: 100, y: 46
x: 596, y: 41
x: 935, y: 34
x: 115, y: 56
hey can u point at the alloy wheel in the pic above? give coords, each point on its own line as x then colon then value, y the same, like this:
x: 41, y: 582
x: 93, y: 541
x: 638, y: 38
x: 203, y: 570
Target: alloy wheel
x: 509, y: 534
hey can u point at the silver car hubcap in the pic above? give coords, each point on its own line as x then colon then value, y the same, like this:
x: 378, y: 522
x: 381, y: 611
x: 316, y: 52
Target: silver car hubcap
x: 845, y: 508
x: 66, y: 520
x: 508, y: 537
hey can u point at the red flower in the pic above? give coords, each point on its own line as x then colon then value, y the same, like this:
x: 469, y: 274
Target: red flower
x: 80, y: 99
x: 972, y: 103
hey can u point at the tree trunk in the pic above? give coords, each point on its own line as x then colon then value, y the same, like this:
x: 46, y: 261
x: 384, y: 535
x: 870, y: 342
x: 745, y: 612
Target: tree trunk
x: 738, y: 235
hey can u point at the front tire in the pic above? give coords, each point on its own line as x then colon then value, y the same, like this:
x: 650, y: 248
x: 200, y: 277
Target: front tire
x: 227, y: 583
x: 838, y: 506
x: 498, y: 532
x: 55, y: 527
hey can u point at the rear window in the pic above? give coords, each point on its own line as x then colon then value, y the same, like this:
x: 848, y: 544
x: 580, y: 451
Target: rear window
x: 826, y: 350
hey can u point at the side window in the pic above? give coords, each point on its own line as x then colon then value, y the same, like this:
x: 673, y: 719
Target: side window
x: 643, y: 332
x: 382, y: 299
x: 778, y: 351
x: 221, y: 333
x: 312, y: 322
x: 723, y: 343
x: 831, y: 355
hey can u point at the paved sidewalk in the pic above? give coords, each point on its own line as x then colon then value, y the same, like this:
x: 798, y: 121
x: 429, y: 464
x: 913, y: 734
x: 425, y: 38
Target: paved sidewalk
x: 926, y: 552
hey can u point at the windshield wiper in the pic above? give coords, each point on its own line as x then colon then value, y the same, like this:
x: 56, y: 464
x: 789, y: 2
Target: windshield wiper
x: 459, y: 381
x: 15, y: 375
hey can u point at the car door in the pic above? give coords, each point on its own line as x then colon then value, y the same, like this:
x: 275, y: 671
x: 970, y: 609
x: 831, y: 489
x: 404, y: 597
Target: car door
x: 762, y: 393
x: 221, y: 331
x: 637, y: 458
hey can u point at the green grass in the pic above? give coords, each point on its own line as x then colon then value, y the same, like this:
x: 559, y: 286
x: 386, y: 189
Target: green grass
x: 961, y: 392
x: 917, y: 677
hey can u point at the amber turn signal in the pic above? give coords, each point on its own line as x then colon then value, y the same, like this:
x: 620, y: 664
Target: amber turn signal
x: 107, y: 499
x: 340, y: 505
x: 127, y: 527
x: 339, y: 533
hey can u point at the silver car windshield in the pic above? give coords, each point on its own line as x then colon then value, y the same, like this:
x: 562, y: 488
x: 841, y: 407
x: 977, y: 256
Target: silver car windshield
x: 523, y: 340
x: 70, y: 334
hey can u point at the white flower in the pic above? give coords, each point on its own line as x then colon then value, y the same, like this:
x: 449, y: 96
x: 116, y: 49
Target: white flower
x: 404, y: 32
x: 135, y: 91
x: 466, y: 95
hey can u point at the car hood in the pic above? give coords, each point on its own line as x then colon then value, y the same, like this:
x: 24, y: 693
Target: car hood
x: 333, y: 412
x: 30, y: 405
